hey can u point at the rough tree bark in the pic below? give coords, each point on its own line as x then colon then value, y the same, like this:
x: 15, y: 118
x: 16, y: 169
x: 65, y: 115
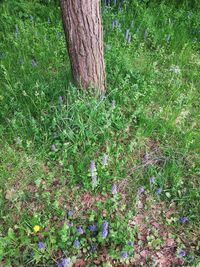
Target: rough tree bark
x: 84, y: 38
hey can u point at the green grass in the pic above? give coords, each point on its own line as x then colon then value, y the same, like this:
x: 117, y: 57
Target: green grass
x: 151, y: 106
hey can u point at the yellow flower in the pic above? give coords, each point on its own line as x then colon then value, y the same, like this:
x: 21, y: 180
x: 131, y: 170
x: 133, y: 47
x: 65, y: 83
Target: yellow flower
x: 36, y: 228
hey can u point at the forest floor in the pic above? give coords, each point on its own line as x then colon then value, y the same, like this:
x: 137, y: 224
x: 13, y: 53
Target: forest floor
x: 100, y: 181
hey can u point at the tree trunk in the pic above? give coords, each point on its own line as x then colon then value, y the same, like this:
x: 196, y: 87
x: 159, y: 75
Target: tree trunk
x: 83, y: 31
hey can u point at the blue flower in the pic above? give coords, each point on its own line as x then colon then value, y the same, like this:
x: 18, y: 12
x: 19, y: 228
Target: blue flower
x: 31, y: 18
x: 92, y: 227
x: 114, y: 189
x: 151, y: 180
x: 182, y: 253
x: 105, y: 160
x: 93, y: 247
x: 124, y: 254
x: 80, y: 230
x: 33, y: 62
x: 41, y: 245
x: 183, y: 219
x: 63, y: 263
x: 158, y: 191
x: 104, y: 231
x: 146, y: 156
x: 141, y: 190
x: 93, y: 166
x: 76, y: 243
x: 94, y: 180
x: 70, y: 213
x: 130, y: 243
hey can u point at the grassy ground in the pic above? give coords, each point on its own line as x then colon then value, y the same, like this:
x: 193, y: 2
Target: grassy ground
x: 142, y: 138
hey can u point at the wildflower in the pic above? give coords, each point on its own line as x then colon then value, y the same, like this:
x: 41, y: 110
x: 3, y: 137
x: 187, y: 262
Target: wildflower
x: 49, y: 20
x: 129, y: 39
x: 175, y: 69
x: 158, y: 191
x: 191, y: 259
x: 114, y: 189
x: 93, y: 247
x: 146, y: 156
x: 31, y: 18
x: 183, y: 219
x: 126, y: 34
x: 151, y: 180
x: 54, y: 148
x: 182, y: 253
x: 168, y: 38
x: 60, y: 100
x: 41, y: 245
x: 189, y: 14
x: 141, y: 190
x: 70, y: 213
x: 113, y: 104
x: 76, y: 243
x: 92, y: 227
x: 64, y: 262
x: 130, y: 243
x: 36, y: 228
x: 104, y: 160
x: 93, y: 166
x: 70, y: 224
x: 124, y: 254
x: 16, y: 28
x: 80, y: 230
x: 104, y: 231
x: 94, y: 180
x: 145, y: 34
x: 33, y: 62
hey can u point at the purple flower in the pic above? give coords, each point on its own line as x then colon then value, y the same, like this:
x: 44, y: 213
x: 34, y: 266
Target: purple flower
x: 92, y: 227
x: 34, y: 63
x: 183, y: 219
x: 130, y: 243
x: 114, y: 189
x: 64, y: 262
x: 41, y: 245
x: 182, y: 253
x: 104, y: 160
x: 151, y: 180
x: 76, y: 243
x: 80, y: 230
x: 146, y: 156
x: 104, y: 231
x: 141, y: 190
x: 70, y: 213
x: 158, y: 191
x: 93, y: 166
x: 124, y: 254
x: 94, y: 180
